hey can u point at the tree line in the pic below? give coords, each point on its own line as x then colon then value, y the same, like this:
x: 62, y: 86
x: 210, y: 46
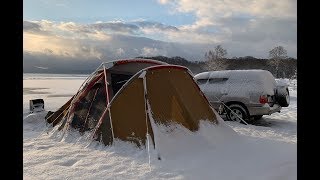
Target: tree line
x: 278, y: 63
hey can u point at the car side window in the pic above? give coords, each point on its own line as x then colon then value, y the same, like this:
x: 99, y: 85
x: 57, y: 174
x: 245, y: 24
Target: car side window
x: 217, y: 80
x: 202, y: 81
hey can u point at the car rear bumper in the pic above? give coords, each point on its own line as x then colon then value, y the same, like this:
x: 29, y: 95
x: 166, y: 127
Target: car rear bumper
x: 263, y: 110
x: 254, y: 109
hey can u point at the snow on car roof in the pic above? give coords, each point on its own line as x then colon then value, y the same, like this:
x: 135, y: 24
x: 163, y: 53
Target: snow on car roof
x: 244, y: 80
x: 230, y: 73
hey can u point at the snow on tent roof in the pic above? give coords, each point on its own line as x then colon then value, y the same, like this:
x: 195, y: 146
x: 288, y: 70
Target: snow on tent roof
x: 125, y: 99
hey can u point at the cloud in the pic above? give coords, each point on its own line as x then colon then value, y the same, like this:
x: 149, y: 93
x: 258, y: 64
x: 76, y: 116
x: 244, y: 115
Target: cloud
x: 120, y: 52
x: 30, y: 26
x: 156, y: 26
x: 103, y: 31
x: 163, y: 1
x: 212, y: 9
x: 241, y: 36
x: 69, y: 26
x: 59, y: 46
x: 249, y: 24
x: 149, y: 51
x: 118, y: 27
x: 278, y: 30
x: 246, y: 21
x: 243, y: 27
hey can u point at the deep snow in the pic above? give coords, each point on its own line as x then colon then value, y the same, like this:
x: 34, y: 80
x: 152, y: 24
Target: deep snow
x: 265, y: 150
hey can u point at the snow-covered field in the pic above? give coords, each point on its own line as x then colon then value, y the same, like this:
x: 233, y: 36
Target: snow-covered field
x: 266, y: 150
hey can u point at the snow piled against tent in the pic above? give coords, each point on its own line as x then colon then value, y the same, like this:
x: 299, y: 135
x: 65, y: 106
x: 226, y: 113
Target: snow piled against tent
x: 227, y: 151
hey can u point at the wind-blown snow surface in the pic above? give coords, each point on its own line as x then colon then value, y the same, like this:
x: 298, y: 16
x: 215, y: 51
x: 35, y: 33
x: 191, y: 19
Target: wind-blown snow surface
x: 265, y: 150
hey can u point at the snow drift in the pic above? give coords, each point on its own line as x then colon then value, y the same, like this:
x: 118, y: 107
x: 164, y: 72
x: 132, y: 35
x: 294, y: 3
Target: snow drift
x: 227, y: 151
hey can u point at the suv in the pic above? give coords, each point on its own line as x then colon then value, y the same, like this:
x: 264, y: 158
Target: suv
x: 250, y: 94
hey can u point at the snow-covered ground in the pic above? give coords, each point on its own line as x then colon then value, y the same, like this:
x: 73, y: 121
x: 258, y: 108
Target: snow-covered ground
x: 265, y: 150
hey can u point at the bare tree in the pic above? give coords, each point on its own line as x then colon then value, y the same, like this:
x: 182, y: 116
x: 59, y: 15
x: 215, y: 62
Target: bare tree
x: 276, y: 57
x: 215, y: 59
x: 294, y: 76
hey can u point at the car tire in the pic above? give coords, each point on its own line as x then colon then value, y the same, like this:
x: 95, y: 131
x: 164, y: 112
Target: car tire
x: 257, y: 117
x: 283, y: 97
x: 239, y: 110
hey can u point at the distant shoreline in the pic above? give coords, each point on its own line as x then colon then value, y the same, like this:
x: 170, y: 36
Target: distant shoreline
x: 32, y: 76
x: 51, y: 74
x: 55, y: 73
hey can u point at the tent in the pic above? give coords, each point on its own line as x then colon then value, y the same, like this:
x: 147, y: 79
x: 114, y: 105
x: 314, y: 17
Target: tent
x: 125, y: 99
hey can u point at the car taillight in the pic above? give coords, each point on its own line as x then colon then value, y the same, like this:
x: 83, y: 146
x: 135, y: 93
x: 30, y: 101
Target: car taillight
x: 263, y: 99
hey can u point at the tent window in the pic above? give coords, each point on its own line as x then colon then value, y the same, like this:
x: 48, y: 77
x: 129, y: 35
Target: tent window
x: 118, y: 80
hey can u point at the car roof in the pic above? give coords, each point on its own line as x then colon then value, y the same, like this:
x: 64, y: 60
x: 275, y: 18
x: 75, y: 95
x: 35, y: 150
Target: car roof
x: 232, y: 73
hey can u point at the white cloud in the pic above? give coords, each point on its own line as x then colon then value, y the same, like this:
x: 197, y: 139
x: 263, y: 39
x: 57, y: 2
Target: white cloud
x: 31, y: 26
x: 216, y: 8
x: 58, y: 46
x: 120, y: 52
x: 113, y: 39
x: 149, y: 51
x: 163, y: 1
x: 68, y: 26
x: 246, y: 21
x: 210, y: 12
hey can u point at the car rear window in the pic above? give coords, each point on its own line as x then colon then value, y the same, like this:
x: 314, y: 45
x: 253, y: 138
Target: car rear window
x: 202, y: 81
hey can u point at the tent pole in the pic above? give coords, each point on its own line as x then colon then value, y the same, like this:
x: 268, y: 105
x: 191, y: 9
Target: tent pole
x: 85, y: 121
x: 108, y: 101
x: 146, y: 112
x: 87, y: 79
x: 71, y: 109
x: 75, y: 97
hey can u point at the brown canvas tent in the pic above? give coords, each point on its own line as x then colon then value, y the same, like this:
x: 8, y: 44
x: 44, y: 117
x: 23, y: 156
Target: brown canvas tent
x: 125, y: 98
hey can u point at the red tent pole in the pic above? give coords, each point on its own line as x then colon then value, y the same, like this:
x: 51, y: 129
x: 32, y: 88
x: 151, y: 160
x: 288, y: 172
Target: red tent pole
x: 105, y: 111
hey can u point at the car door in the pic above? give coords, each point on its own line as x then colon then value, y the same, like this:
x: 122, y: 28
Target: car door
x: 215, y: 89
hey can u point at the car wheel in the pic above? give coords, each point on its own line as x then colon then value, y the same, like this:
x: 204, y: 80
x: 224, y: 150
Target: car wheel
x: 237, y: 112
x: 283, y: 97
x: 257, y: 117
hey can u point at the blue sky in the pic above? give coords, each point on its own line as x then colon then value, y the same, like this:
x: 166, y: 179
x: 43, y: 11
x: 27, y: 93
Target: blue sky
x: 112, y: 29
x: 85, y: 11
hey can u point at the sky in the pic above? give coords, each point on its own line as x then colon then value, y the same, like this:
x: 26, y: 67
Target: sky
x: 83, y: 31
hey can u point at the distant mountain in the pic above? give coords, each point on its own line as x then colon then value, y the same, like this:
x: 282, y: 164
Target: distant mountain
x: 43, y: 64
x: 287, y: 67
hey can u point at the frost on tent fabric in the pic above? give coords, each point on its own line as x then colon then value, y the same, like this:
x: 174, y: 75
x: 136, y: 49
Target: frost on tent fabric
x: 112, y: 103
